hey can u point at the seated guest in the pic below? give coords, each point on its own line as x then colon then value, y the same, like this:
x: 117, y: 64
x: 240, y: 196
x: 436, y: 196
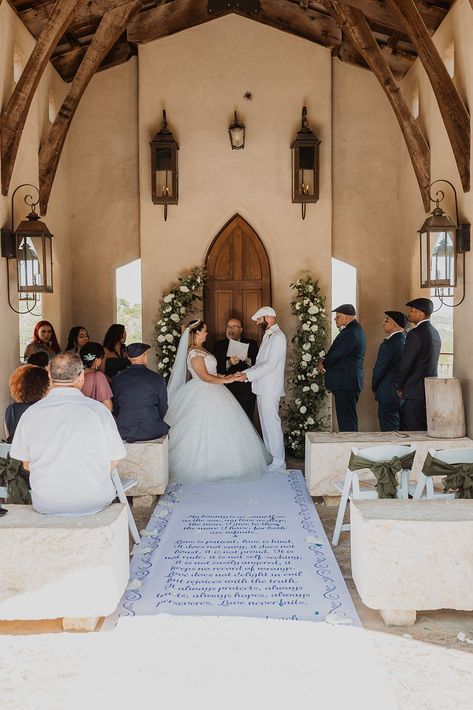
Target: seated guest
x: 39, y: 359
x: 115, y: 359
x: 95, y: 383
x: 70, y: 444
x: 229, y: 365
x: 140, y: 398
x: 28, y: 384
x: 44, y: 338
x: 78, y: 336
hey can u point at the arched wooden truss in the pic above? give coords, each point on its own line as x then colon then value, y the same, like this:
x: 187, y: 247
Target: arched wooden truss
x: 81, y: 37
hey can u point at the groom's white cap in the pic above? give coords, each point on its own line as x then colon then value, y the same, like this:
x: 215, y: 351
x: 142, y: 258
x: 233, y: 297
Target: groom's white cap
x: 265, y: 311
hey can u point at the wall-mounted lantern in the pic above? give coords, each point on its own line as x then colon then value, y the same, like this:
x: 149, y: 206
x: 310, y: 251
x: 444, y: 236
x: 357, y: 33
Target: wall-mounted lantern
x: 236, y: 131
x: 164, y: 173
x: 305, y: 165
x: 441, y: 240
x: 31, y: 245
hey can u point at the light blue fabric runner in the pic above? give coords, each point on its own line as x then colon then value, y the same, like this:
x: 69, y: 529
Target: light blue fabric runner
x: 254, y: 548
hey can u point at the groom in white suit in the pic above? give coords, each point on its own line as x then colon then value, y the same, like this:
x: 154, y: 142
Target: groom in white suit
x: 267, y: 383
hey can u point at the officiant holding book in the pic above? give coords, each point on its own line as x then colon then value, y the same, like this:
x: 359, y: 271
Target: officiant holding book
x: 235, y: 354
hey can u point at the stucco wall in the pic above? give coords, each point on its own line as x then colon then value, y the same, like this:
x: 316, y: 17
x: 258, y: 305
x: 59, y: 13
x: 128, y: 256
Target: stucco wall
x: 57, y: 306
x: 457, y: 27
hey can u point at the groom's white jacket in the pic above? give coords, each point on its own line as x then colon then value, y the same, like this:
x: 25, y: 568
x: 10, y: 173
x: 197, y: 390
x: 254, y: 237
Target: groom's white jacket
x: 267, y: 374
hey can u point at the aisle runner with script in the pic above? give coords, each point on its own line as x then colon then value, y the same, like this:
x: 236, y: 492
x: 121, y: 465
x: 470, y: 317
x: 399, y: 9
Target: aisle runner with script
x: 255, y: 548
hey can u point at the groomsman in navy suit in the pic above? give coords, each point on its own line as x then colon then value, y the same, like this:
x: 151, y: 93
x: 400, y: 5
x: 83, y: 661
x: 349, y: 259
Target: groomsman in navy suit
x: 419, y: 360
x: 386, y: 370
x: 343, y: 366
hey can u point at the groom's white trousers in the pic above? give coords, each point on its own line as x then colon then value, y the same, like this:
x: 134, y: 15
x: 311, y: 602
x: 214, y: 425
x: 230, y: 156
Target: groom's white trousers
x: 268, y: 410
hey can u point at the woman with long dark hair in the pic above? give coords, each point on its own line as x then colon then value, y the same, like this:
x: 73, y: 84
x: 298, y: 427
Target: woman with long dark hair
x: 115, y: 359
x: 95, y: 383
x: 44, y: 338
x: 78, y: 336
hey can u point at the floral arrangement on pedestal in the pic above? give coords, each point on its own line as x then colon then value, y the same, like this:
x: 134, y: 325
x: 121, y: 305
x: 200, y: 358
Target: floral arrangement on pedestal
x: 304, y: 412
x: 176, y: 305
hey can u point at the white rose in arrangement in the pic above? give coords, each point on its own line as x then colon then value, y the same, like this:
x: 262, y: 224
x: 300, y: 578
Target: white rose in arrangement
x: 305, y: 389
x: 182, y: 309
x: 160, y: 338
x: 305, y: 326
x: 321, y: 353
x: 310, y: 288
x: 297, y: 401
x: 169, y: 338
x: 311, y: 339
x: 164, y: 329
x: 307, y: 357
x: 175, y: 333
x: 306, y: 346
x: 173, y: 348
x: 315, y: 328
x: 303, y: 364
x: 314, y: 387
x: 175, y: 317
x: 168, y: 298
x: 310, y: 421
x: 298, y: 306
x: 313, y: 310
x: 168, y: 309
x: 184, y: 289
x: 303, y: 409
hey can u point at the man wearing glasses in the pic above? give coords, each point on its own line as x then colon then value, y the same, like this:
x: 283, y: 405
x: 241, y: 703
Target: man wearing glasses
x: 229, y: 365
x: 386, y: 371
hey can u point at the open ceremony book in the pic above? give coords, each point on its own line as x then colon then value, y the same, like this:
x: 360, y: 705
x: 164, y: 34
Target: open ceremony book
x: 237, y: 349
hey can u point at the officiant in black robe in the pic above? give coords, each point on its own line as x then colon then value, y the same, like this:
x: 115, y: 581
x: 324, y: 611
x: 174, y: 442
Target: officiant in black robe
x: 228, y: 366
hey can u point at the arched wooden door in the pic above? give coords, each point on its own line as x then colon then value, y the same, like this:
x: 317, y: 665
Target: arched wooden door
x: 238, y: 279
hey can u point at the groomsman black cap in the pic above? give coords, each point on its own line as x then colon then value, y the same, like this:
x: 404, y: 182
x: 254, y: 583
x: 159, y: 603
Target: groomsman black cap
x: 346, y: 308
x: 136, y: 349
x: 398, y: 317
x: 422, y: 304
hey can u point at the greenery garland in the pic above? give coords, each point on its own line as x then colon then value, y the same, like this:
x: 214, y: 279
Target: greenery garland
x: 304, y: 412
x: 176, y: 305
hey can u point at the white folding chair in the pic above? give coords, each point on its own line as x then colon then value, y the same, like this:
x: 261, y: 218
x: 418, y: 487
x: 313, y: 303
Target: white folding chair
x: 425, y: 485
x: 121, y: 487
x: 352, y: 489
x: 4, y: 451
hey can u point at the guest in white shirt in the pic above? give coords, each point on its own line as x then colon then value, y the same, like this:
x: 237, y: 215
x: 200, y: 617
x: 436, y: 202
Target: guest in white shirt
x: 267, y: 383
x: 70, y: 444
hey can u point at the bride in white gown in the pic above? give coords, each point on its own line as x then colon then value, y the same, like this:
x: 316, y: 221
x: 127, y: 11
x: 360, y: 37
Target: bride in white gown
x: 211, y: 437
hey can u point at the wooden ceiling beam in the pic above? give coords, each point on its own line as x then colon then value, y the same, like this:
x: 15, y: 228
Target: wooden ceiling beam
x: 168, y: 19
x: 113, y: 23
x: 38, y: 17
x: 290, y: 17
x: 381, y: 12
x: 454, y: 112
x: 16, y: 111
x: 357, y: 30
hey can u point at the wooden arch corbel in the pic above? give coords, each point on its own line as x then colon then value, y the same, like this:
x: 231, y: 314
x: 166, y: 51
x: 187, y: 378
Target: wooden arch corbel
x: 454, y: 112
x: 357, y: 30
x: 15, y: 114
x: 112, y: 24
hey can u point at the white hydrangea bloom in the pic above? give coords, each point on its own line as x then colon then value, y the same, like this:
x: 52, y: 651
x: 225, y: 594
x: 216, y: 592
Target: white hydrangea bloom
x: 306, y: 346
x: 313, y: 310
x: 305, y: 326
x: 305, y: 388
x: 169, y: 338
x: 175, y: 317
x: 168, y: 298
x: 321, y: 353
x: 307, y: 357
x: 310, y: 421
x: 298, y: 306
x: 303, y: 409
x: 314, y: 387
x: 160, y: 338
x: 184, y: 289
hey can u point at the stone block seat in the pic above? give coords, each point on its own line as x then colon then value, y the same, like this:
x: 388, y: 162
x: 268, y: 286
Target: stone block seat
x: 409, y: 556
x: 327, y: 454
x: 56, y: 566
x: 147, y: 462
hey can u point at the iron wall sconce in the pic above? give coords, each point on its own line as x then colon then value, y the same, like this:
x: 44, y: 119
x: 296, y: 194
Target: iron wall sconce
x: 31, y: 245
x: 305, y: 165
x: 441, y: 240
x: 236, y: 131
x: 164, y: 172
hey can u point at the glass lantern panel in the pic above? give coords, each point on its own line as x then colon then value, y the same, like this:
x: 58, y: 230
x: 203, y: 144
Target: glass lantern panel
x: 238, y: 137
x: 306, y: 176
x: 164, y: 172
x: 48, y: 264
x: 442, y: 263
x: 425, y: 259
x: 28, y: 263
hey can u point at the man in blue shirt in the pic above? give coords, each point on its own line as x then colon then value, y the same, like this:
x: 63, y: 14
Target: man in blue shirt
x: 386, y: 370
x: 139, y: 398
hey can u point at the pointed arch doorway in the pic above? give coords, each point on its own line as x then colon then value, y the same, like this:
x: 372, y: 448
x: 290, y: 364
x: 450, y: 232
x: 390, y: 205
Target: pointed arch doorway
x: 238, y: 279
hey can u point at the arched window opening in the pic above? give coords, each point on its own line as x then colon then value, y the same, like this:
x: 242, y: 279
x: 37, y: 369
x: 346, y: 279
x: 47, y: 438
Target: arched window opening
x: 128, y: 300
x: 343, y: 287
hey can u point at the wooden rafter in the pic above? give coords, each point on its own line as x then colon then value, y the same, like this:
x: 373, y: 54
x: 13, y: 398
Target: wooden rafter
x: 357, y: 30
x: 454, y: 112
x: 168, y: 19
x: 111, y: 26
x: 380, y: 12
x: 15, y: 114
x: 85, y: 12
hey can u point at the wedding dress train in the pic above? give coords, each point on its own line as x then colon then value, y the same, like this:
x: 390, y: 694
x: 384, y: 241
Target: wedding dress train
x: 211, y: 437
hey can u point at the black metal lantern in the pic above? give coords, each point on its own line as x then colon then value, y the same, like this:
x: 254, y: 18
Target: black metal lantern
x: 164, y: 173
x: 305, y: 165
x: 31, y: 245
x: 236, y: 131
x: 441, y: 239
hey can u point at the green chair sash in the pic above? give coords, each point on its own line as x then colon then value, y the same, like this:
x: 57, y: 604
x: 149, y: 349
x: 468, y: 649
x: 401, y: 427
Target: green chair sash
x: 384, y: 471
x: 13, y: 481
x: 458, y: 476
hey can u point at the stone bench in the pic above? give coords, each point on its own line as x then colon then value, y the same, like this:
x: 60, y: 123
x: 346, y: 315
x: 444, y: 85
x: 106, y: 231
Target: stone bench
x: 147, y: 462
x: 409, y: 556
x: 55, y: 566
x: 327, y: 454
